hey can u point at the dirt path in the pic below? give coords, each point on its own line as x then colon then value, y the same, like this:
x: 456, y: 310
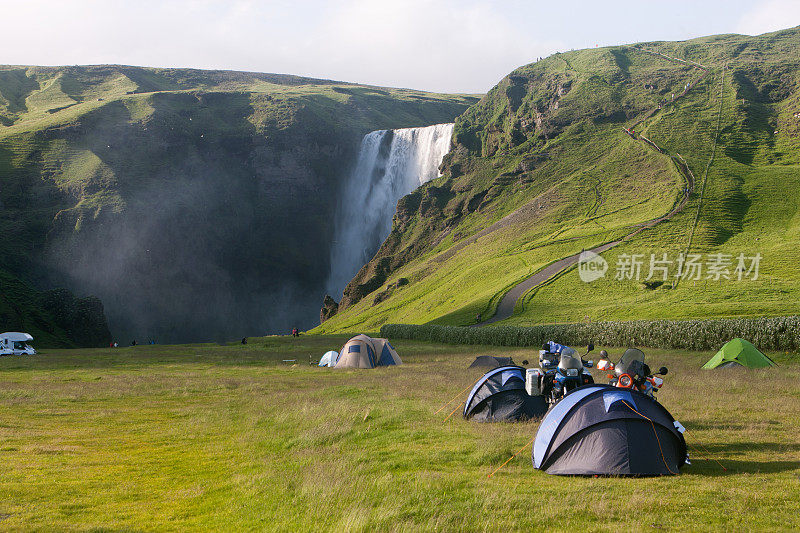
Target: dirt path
x: 509, y: 301
x: 506, y: 306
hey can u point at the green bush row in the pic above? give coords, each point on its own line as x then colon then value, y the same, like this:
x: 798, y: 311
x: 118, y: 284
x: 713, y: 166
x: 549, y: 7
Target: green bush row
x: 777, y: 333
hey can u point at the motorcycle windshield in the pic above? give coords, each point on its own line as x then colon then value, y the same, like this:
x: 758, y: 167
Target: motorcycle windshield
x: 631, y: 363
x: 569, y: 361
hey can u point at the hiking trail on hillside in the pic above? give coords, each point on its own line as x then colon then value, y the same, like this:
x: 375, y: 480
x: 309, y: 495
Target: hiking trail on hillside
x: 505, y: 309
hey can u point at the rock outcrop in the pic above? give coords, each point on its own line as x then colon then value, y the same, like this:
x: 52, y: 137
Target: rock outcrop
x: 329, y: 308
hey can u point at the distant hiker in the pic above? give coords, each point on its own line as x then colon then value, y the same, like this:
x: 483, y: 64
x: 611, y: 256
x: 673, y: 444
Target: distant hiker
x: 477, y: 318
x: 244, y: 340
x: 133, y: 342
x: 111, y: 344
x: 116, y: 345
x: 295, y: 332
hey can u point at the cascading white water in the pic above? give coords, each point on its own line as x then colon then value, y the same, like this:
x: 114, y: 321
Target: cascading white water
x: 391, y: 164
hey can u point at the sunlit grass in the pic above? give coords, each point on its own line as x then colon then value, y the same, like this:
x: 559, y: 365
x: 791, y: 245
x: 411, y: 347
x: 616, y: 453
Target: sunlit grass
x: 230, y: 437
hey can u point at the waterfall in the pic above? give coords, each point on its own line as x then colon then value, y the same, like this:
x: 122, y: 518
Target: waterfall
x: 391, y: 164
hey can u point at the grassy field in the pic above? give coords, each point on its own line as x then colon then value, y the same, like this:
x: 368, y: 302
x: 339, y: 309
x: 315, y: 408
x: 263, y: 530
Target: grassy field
x: 232, y: 438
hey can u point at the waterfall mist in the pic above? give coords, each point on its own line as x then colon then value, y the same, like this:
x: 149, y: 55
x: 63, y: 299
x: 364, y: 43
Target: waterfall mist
x: 391, y: 164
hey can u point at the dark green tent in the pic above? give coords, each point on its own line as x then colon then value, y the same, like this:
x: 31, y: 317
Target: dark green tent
x: 739, y: 352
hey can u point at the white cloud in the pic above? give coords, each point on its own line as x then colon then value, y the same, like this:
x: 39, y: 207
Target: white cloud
x: 444, y: 45
x: 770, y: 15
x: 441, y: 45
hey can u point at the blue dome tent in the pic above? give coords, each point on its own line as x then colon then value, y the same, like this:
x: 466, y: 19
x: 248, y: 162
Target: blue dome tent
x: 329, y: 358
x: 499, y: 396
x: 605, y: 430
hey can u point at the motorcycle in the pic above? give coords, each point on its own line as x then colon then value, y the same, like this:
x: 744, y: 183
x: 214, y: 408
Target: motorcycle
x: 561, y: 371
x: 631, y: 372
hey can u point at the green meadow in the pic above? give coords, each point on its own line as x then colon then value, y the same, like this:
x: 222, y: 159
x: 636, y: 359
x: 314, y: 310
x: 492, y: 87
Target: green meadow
x: 234, y: 438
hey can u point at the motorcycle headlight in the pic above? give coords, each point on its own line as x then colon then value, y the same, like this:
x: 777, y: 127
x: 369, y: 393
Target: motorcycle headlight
x: 572, y: 372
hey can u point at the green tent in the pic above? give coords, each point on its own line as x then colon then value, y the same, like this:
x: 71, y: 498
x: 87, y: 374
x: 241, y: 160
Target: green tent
x: 739, y: 352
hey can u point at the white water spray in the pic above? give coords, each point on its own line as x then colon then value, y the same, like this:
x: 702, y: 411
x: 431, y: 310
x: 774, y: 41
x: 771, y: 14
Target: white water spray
x: 391, y: 164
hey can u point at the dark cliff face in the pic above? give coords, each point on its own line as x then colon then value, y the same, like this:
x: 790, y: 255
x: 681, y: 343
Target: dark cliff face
x: 191, y: 213
x: 83, y: 319
x: 222, y: 231
x: 55, y: 318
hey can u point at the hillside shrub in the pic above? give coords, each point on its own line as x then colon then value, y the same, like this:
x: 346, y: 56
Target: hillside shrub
x: 775, y: 333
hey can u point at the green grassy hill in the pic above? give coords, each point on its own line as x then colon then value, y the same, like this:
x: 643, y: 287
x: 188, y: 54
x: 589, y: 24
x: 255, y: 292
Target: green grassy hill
x: 194, y: 204
x: 542, y: 168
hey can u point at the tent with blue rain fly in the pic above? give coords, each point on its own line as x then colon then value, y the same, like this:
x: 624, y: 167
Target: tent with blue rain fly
x: 499, y: 396
x: 605, y: 430
x: 329, y: 358
x: 365, y: 352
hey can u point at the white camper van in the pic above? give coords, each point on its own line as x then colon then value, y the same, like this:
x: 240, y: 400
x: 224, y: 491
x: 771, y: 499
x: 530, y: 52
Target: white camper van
x: 15, y: 343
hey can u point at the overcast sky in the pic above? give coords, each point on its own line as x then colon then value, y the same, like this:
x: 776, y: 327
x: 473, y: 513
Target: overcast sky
x: 438, y: 45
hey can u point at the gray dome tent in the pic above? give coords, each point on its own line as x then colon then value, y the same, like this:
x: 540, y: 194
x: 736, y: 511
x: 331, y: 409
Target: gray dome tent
x: 605, y: 430
x: 491, y: 362
x: 499, y: 396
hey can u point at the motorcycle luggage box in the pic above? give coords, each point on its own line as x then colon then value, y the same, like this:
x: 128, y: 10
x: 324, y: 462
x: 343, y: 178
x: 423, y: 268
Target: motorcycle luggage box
x: 532, y: 380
